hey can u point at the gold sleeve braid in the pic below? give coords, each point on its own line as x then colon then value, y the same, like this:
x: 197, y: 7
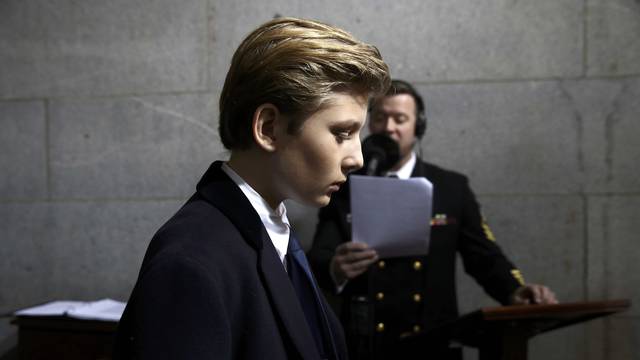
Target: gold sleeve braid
x: 489, y: 234
x: 487, y: 230
x: 518, y: 276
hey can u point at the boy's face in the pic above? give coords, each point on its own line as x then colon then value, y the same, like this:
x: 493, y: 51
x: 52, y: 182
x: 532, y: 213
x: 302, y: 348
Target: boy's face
x: 312, y: 163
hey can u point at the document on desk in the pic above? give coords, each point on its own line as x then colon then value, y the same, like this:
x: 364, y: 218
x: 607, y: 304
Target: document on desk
x: 393, y: 216
x: 103, y: 310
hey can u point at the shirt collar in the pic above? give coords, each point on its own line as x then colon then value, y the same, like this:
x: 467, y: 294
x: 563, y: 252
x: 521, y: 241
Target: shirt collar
x: 273, y: 219
x: 405, y: 171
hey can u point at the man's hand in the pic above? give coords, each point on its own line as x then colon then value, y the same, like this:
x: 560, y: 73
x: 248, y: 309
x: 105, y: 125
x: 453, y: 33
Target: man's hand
x: 533, y: 294
x: 351, y: 260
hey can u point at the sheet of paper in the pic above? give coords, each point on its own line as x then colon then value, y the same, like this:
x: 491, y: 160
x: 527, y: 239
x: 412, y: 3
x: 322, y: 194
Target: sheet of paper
x: 392, y: 215
x: 104, y: 310
x: 54, y: 308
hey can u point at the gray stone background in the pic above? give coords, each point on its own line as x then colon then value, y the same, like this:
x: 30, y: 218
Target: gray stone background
x: 108, y: 116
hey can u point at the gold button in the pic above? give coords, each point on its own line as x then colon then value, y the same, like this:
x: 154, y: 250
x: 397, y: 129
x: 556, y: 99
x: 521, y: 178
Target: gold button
x: 380, y: 296
x: 416, y: 328
x: 417, y: 265
x: 381, y: 264
x: 417, y: 297
x: 380, y: 327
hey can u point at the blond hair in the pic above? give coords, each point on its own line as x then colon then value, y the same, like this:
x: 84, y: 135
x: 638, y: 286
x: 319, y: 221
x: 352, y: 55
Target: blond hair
x: 294, y: 64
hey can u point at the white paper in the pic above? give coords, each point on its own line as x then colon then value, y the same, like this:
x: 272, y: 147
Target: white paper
x: 393, y: 216
x: 104, y: 310
x: 54, y: 308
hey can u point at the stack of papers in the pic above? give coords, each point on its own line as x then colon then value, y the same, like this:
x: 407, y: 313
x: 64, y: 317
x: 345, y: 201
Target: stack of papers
x: 103, y: 310
x: 392, y: 216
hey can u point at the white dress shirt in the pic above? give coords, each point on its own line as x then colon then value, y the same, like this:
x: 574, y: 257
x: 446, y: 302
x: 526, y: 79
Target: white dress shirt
x: 275, y: 221
x: 405, y: 171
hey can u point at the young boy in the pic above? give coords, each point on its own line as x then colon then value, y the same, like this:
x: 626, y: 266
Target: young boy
x: 224, y: 278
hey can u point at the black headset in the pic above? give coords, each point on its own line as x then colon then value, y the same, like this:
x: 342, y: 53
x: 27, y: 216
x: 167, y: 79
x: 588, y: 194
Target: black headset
x: 402, y: 87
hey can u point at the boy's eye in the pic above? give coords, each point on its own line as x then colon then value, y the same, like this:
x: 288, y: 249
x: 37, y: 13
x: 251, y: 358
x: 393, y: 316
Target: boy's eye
x: 342, y: 135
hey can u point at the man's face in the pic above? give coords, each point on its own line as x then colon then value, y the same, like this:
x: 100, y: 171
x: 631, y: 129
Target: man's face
x: 395, y: 116
x: 313, y: 162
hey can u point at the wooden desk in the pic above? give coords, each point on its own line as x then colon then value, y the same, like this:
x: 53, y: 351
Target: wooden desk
x: 502, y: 333
x: 55, y: 337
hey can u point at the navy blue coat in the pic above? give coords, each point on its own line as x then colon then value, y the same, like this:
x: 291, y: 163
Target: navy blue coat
x: 212, y: 286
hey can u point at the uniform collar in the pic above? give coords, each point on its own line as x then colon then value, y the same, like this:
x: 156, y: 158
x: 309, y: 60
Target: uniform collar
x: 405, y: 171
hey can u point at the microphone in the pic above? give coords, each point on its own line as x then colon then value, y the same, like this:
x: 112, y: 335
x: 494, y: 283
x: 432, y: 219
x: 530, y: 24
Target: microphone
x: 380, y: 153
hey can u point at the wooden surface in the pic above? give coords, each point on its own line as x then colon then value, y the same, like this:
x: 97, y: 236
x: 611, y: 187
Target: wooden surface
x: 502, y: 333
x: 553, y: 311
x: 473, y: 328
x: 57, y: 337
x: 499, y: 332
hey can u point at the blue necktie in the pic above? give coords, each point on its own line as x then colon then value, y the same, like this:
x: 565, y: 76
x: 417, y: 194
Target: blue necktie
x: 308, y: 295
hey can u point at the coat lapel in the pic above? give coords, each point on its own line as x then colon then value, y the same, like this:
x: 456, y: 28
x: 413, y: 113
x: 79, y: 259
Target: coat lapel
x: 216, y: 187
x: 418, y: 169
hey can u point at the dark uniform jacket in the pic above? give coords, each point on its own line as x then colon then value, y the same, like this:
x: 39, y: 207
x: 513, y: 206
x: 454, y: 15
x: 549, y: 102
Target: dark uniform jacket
x: 401, y: 296
x: 213, y: 287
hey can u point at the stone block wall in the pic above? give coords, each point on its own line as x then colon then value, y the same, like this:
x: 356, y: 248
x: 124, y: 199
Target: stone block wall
x: 108, y: 117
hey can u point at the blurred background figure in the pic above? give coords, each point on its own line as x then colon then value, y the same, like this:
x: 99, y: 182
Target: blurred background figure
x: 386, y: 299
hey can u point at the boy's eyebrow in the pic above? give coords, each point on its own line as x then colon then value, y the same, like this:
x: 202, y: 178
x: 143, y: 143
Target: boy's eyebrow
x: 348, y: 123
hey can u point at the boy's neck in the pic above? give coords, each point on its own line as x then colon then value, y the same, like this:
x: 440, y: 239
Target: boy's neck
x: 252, y: 167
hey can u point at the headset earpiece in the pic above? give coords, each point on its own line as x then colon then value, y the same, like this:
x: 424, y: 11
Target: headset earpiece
x: 421, y: 124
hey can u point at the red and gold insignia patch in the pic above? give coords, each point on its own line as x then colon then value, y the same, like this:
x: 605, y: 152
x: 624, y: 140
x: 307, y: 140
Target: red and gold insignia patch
x: 442, y: 219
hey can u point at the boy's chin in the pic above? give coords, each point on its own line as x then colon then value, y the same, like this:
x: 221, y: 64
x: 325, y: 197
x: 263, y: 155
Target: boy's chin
x: 317, y: 202
x: 324, y: 201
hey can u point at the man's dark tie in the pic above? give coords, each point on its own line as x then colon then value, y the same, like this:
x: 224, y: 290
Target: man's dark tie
x: 309, y: 296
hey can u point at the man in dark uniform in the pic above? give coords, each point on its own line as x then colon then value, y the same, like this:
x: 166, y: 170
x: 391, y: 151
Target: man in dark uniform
x: 385, y: 300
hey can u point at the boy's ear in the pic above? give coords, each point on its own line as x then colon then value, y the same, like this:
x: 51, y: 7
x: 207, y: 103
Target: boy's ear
x: 266, y: 119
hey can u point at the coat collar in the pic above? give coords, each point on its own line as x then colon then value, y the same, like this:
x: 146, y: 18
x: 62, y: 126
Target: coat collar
x: 218, y: 189
x: 418, y: 169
